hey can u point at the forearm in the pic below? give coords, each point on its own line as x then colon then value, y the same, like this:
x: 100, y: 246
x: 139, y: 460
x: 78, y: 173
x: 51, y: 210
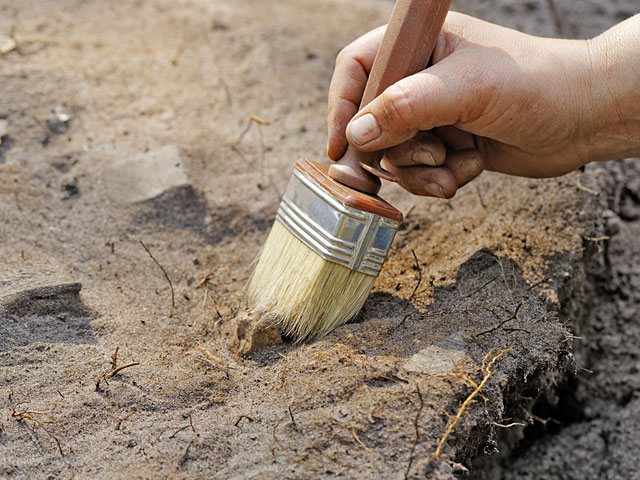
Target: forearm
x: 614, y: 93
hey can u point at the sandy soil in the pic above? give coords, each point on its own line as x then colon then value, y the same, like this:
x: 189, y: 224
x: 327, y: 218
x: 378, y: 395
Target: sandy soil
x: 128, y: 125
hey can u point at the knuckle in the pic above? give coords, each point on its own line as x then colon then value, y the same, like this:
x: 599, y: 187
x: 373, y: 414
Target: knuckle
x: 397, y: 108
x: 345, y: 55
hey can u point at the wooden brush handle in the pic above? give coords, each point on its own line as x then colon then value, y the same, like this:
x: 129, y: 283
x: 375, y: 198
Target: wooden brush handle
x: 406, y: 47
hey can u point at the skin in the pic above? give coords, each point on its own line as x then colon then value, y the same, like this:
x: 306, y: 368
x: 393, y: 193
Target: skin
x: 493, y: 99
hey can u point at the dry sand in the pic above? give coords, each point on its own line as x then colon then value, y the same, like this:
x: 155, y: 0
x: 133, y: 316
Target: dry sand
x: 129, y: 122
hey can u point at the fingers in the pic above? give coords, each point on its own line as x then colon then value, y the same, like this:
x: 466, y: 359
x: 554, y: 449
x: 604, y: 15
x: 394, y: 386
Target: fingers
x: 353, y: 65
x: 424, y: 149
x: 465, y: 165
x: 448, y: 93
x: 443, y: 181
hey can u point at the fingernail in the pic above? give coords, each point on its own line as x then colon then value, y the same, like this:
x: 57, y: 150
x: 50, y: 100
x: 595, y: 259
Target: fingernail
x: 471, y: 167
x: 363, y: 129
x: 434, y: 189
x: 423, y: 157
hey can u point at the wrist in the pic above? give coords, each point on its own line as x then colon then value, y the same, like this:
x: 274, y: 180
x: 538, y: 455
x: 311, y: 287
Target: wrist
x: 612, y: 94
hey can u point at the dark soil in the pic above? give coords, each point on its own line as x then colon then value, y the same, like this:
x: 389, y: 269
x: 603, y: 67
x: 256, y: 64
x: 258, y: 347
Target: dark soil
x: 96, y: 94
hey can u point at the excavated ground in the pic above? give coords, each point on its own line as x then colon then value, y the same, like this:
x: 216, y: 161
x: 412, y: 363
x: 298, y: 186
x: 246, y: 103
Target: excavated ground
x: 144, y: 148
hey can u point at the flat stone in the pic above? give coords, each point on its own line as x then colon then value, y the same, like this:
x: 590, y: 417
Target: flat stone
x: 435, y: 360
x: 20, y: 281
x: 7, y: 44
x: 146, y: 175
x: 42, y: 306
x: 34, y: 292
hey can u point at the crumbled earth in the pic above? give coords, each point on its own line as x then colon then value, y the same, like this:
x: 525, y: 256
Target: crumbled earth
x: 591, y: 427
x: 144, y: 148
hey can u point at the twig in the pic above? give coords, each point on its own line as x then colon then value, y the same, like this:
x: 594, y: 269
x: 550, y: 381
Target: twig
x: 586, y: 189
x: 184, y: 428
x: 205, y: 280
x: 401, y: 322
x: 28, y: 415
x: 487, y: 373
x: 240, y: 419
x: 252, y: 118
x: 504, y: 275
x: 166, y: 275
x: 596, y: 239
x: 359, y: 441
x: 185, y: 455
x: 113, y: 372
x: 114, y: 359
x: 159, y: 435
x: 514, y: 316
x: 514, y: 329
x: 133, y: 409
x: 544, y: 280
x: 483, y: 286
x: 544, y: 421
x: 458, y: 310
x: 293, y: 420
x: 514, y: 424
x: 416, y: 426
x: 116, y: 370
x: 415, y: 289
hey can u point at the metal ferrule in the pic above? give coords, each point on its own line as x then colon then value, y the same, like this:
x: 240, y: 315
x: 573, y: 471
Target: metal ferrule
x: 338, y: 233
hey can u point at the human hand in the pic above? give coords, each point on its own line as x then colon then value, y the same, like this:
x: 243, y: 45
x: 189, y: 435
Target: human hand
x: 494, y: 99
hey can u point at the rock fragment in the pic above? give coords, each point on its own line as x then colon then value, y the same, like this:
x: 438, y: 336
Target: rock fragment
x: 435, y: 360
x: 7, y: 44
x: 41, y: 306
x: 145, y: 176
x: 254, y: 333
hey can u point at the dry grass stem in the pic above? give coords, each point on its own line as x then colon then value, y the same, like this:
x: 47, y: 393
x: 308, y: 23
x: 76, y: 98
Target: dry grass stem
x: 419, y: 281
x: 190, y: 425
x: 114, y: 359
x: 27, y: 414
x: 586, y: 189
x: 116, y: 370
x: 359, y: 441
x: 488, y: 282
x: 417, y: 429
x: 509, y: 425
x: 596, y: 239
x: 513, y: 316
x: 166, y: 275
x: 240, y: 419
x: 488, y: 362
x: 185, y: 455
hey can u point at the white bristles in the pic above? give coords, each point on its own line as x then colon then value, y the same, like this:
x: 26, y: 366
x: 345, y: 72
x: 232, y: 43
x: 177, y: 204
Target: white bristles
x: 309, y: 295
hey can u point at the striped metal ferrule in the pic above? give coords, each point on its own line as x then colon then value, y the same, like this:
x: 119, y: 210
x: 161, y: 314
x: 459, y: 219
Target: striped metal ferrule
x: 338, y: 233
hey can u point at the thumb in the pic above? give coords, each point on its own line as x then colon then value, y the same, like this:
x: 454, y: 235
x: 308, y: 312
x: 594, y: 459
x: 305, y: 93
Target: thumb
x: 428, y: 99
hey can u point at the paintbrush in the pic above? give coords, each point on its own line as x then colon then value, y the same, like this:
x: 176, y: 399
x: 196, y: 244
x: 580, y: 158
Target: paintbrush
x: 332, y: 232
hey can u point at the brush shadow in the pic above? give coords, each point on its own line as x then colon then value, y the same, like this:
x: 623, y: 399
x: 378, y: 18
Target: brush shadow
x: 487, y: 290
x: 461, y: 316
